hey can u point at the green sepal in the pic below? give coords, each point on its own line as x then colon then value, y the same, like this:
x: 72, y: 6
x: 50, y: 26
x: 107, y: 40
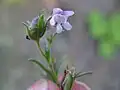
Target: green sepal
x: 41, y: 25
x: 33, y: 34
x: 80, y: 74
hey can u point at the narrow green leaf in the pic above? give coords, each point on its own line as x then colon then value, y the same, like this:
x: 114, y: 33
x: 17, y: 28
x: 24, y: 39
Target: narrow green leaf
x: 49, y: 73
x: 83, y: 74
x: 40, y: 64
x: 47, y: 54
x: 25, y: 24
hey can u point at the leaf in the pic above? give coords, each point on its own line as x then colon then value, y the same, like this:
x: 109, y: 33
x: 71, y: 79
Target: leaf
x: 83, y: 74
x: 98, y: 25
x: 49, y: 73
x: 115, y: 27
x: 41, y: 65
x: 106, y: 49
x: 47, y: 54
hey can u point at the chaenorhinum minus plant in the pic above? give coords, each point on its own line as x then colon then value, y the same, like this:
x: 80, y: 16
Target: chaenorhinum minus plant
x: 36, y: 29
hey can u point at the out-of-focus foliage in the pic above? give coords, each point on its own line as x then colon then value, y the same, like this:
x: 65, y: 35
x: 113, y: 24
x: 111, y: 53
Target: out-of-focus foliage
x: 98, y: 25
x: 13, y: 2
x: 115, y: 27
x: 106, y: 31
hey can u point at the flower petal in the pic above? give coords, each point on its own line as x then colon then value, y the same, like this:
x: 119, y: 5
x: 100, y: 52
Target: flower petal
x: 35, y: 20
x: 59, y: 28
x: 57, y: 11
x: 68, y: 13
x: 52, y: 21
x: 67, y: 26
x: 60, y: 18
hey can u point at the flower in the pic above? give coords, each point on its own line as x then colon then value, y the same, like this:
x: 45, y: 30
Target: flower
x: 60, y: 20
x: 33, y: 23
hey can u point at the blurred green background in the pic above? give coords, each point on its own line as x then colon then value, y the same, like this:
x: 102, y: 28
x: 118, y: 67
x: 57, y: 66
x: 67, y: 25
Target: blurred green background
x: 76, y: 46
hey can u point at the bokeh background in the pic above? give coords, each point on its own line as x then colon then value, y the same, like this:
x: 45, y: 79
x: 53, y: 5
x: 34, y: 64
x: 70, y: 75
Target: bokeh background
x: 76, y: 46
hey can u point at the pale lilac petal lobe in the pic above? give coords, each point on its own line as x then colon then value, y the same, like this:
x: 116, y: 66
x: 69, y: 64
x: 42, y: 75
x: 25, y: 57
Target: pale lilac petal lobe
x: 59, y: 28
x: 68, y: 13
x: 59, y: 18
x: 52, y: 21
x: 35, y: 20
x: 57, y: 11
x: 67, y: 26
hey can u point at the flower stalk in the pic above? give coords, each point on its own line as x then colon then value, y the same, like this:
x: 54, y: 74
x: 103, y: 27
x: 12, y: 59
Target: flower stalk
x: 36, y: 30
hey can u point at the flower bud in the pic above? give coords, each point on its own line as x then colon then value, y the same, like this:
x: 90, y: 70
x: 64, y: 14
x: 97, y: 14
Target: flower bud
x: 36, y: 28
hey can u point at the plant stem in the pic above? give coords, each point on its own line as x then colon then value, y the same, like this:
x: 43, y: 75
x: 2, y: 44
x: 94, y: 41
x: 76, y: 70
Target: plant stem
x: 40, y: 49
x: 54, y: 76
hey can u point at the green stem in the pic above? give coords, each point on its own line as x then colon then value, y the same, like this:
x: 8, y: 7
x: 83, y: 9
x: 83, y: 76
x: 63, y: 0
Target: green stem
x: 40, y: 49
x: 54, y: 76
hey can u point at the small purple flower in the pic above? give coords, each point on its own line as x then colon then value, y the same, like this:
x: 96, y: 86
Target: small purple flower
x: 59, y: 19
x: 33, y: 23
